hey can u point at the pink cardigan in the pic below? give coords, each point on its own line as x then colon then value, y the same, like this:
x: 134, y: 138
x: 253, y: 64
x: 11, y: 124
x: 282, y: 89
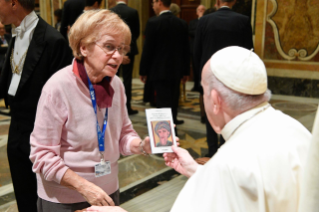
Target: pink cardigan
x: 64, y: 136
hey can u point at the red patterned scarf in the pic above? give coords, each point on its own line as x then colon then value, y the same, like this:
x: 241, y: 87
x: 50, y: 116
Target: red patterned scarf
x: 103, y: 90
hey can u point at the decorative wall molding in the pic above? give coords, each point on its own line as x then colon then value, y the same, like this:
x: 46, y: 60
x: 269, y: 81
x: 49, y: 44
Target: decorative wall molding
x: 293, y: 53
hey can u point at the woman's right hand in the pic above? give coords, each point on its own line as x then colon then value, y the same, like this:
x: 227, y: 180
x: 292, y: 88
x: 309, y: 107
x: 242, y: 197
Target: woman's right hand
x: 95, y: 195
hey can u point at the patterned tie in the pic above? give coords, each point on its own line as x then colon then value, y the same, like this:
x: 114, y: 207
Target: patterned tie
x: 3, y: 40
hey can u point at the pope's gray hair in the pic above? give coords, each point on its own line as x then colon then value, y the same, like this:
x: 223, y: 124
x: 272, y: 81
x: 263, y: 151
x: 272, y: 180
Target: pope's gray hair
x: 237, y: 102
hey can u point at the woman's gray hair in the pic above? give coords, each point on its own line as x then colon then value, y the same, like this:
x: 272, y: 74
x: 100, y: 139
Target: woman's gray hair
x: 237, y: 102
x: 163, y: 125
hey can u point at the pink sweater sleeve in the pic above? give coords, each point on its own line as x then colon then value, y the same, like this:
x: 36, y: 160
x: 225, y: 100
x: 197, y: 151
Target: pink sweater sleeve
x: 45, y: 139
x: 128, y: 134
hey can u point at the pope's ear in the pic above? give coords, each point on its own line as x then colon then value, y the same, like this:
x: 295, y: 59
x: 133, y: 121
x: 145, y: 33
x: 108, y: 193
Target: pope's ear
x: 216, y: 101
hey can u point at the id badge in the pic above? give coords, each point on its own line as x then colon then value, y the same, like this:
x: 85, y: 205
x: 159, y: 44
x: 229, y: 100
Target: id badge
x: 102, y: 168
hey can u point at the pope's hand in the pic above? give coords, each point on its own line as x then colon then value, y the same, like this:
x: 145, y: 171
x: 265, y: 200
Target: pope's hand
x: 105, y: 209
x: 95, y: 195
x: 181, y: 161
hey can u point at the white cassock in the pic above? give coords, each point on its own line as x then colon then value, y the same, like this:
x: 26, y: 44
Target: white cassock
x: 309, y: 200
x: 258, y: 169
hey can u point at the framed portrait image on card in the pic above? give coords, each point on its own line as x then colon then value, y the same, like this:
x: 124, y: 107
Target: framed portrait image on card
x: 161, y: 129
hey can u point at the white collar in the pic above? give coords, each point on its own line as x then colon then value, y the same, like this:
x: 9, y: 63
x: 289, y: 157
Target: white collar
x: 24, y: 25
x: 120, y: 2
x: 164, y: 11
x: 224, y: 7
x: 230, y: 128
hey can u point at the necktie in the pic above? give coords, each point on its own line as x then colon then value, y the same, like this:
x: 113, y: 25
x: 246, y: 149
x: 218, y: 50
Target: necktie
x: 3, y: 40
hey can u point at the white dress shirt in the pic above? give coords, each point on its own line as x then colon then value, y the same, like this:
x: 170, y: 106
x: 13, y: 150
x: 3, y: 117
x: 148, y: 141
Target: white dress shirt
x: 23, y: 36
x: 258, y: 169
x: 120, y: 2
x: 164, y: 11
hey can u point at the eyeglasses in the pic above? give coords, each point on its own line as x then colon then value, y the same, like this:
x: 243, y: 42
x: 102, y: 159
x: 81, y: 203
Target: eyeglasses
x: 110, y: 49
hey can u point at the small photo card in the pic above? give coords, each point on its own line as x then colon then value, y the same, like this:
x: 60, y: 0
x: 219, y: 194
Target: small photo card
x: 161, y: 129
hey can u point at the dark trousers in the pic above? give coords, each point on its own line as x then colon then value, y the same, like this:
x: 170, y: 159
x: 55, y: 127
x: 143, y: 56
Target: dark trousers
x: 46, y: 206
x: 212, y: 139
x: 23, y: 179
x: 127, y: 71
x: 167, y: 94
x: 196, y: 74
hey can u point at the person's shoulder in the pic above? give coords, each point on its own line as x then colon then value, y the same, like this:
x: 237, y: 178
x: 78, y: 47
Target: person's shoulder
x: 183, y: 21
x: 50, y: 33
x: 153, y: 19
x: 60, y: 80
x: 237, y: 15
x: 130, y: 9
x: 116, y: 83
x: 193, y: 21
x: 73, y: 2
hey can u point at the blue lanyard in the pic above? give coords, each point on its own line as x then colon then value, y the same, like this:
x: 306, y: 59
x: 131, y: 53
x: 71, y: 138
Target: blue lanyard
x: 100, y: 135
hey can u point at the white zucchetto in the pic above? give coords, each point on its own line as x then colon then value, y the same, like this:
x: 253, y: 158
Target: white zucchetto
x: 240, y: 70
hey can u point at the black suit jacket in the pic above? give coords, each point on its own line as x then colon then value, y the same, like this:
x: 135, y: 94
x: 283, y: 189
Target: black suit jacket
x: 130, y: 16
x: 218, y: 30
x: 72, y: 9
x: 165, y: 53
x: 48, y: 52
x: 3, y: 50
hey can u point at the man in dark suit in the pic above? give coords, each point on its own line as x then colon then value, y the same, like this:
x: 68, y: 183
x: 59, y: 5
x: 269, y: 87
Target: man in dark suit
x: 165, y: 56
x: 38, y: 51
x: 72, y: 9
x: 130, y: 16
x: 4, y: 41
x: 216, y: 31
x: 191, y: 32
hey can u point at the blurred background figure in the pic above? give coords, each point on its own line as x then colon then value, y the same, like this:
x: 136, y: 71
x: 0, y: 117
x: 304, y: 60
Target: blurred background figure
x: 216, y: 31
x: 131, y: 18
x: 72, y: 9
x: 58, y: 18
x: 92, y: 4
x: 165, y: 56
x: 175, y: 9
x: 210, y: 10
x: 4, y: 42
x: 196, y: 72
x: 37, y: 51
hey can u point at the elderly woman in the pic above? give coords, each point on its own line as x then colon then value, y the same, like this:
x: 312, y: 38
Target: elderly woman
x: 163, y: 131
x: 82, y: 124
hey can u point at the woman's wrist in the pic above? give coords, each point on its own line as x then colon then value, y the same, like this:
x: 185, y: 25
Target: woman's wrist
x: 138, y: 146
x: 141, y: 147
